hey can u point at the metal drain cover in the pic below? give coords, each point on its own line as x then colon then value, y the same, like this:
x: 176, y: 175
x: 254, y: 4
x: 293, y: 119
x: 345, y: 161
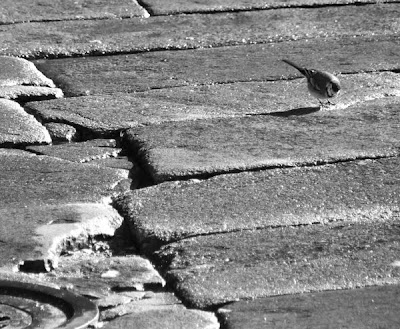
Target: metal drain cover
x: 28, y: 305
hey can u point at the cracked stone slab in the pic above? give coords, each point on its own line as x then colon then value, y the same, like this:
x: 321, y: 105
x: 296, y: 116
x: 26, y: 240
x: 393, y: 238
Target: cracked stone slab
x: 80, y: 152
x: 359, y: 191
x: 110, y: 75
x: 372, y: 307
x: 46, y: 201
x: 100, y: 152
x: 176, y: 150
x: 221, y: 268
x: 165, y: 317
x: 19, y: 71
x: 72, y: 38
x: 18, y: 127
x: 87, y: 272
x: 21, y: 81
x: 62, y: 132
x: 29, y: 93
x: 170, y: 7
x: 15, y: 11
x: 110, y: 114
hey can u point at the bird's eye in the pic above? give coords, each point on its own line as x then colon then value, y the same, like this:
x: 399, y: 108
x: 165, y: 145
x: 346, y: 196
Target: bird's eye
x: 335, y: 87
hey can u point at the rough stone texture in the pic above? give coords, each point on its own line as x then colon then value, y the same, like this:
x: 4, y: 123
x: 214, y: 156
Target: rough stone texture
x: 29, y: 93
x: 100, y: 152
x: 19, y: 128
x: 89, y: 271
x: 18, y: 71
x: 361, y: 191
x: 46, y: 201
x: 14, y: 11
x: 168, y: 7
x: 104, y: 115
x: 208, y: 270
x: 68, y: 38
x: 139, y: 72
x: 375, y: 307
x: 80, y: 152
x: 164, y: 317
x: 61, y: 132
x: 176, y: 150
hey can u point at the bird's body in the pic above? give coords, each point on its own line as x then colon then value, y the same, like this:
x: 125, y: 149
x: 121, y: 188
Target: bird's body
x: 322, y: 85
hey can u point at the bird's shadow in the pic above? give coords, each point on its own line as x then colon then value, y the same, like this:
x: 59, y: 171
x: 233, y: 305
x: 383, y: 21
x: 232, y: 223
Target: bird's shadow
x: 293, y: 112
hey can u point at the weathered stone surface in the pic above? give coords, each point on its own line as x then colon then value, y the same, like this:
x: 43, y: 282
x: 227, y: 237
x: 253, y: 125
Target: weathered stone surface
x: 102, y: 114
x: 374, y: 307
x: 18, y: 71
x: 29, y: 93
x: 164, y: 317
x: 45, y: 201
x: 88, y: 270
x: 162, y: 7
x: 68, y: 38
x: 178, y: 150
x: 13, y: 11
x: 61, y: 132
x: 361, y: 191
x: 209, y: 270
x: 80, y: 152
x: 139, y: 72
x: 19, y: 128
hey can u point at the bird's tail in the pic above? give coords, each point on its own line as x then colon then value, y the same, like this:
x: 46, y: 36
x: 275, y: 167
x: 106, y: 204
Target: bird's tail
x: 302, y: 70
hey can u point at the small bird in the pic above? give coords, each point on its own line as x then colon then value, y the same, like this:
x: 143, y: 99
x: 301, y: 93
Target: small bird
x: 322, y: 85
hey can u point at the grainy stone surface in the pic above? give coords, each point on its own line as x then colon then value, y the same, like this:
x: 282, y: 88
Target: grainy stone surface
x: 168, y: 7
x: 361, y: 191
x: 18, y: 71
x: 14, y: 11
x: 177, y: 150
x: 86, y: 270
x: 69, y: 38
x: 165, y: 317
x: 104, y: 115
x: 46, y: 201
x: 139, y: 72
x: 80, y: 152
x: 374, y: 307
x: 208, y: 270
x: 19, y: 128
x: 61, y: 132
x: 29, y: 93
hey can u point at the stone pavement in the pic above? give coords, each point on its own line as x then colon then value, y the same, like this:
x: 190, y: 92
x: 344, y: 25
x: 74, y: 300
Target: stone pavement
x: 160, y: 159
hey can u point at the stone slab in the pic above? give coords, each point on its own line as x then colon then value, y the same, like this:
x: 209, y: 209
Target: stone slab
x: 373, y: 307
x: 167, y: 69
x: 170, y: 7
x: 45, y: 201
x: 86, y: 270
x: 165, y: 317
x: 209, y: 270
x: 14, y: 11
x: 62, y: 132
x: 72, y: 38
x: 80, y: 152
x: 19, y: 71
x: 360, y: 191
x: 181, y: 150
x: 110, y: 114
x: 18, y: 127
x: 29, y: 93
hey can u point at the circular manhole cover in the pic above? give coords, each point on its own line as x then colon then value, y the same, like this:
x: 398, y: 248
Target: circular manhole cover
x: 27, y: 305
